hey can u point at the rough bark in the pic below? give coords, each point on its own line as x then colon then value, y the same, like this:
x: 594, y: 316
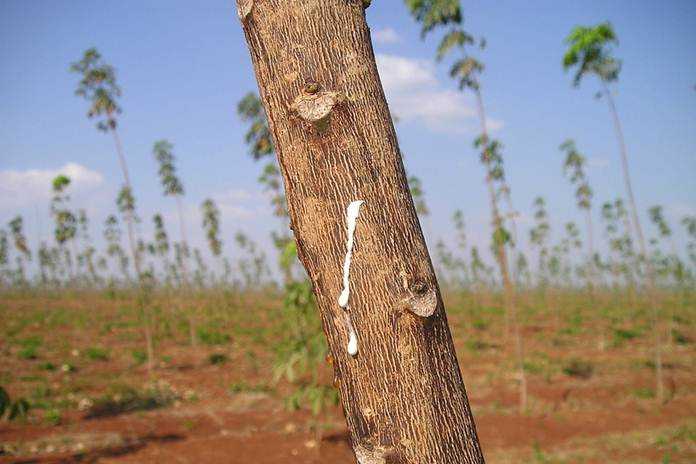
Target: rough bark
x: 402, y: 394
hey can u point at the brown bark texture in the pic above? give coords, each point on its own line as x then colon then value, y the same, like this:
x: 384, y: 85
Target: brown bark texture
x: 402, y: 394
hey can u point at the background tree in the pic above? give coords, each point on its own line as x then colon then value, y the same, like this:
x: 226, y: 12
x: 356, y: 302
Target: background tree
x: 98, y: 86
x: 211, y: 227
x: 19, y: 241
x: 574, y: 169
x: 65, y: 221
x: 590, y: 53
x: 258, y: 139
x: 172, y: 187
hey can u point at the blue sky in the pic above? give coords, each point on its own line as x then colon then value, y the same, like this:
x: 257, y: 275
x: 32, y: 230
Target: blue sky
x: 184, y: 65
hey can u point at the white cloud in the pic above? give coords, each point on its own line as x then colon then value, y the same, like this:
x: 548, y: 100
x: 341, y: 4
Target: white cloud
x: 24, y: 188
x: 386, y: 36
x: 415, y: 94
x: 239, y: 203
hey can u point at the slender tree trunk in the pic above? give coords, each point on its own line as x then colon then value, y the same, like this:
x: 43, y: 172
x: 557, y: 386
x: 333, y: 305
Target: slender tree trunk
x: 184, y: 270
x: 652, y: 294
x: 402, y: 393
x: 136, y: 256
x: 501, y: 255
x: 590, y: 251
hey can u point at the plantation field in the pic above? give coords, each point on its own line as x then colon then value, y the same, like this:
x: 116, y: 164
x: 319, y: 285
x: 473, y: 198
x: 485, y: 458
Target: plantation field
x: 78, y: 360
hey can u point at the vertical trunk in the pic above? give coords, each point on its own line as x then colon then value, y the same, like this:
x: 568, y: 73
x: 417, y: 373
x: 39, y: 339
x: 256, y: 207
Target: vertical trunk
x: 135, y: 255
x: 184, y: 271
x: 591, y: 270
x: 402, y: 391
x: 501, y: 255
x: 652, y: 294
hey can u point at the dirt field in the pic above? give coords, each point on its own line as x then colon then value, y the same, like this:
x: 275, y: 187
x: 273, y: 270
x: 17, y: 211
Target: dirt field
x: 78, y: 361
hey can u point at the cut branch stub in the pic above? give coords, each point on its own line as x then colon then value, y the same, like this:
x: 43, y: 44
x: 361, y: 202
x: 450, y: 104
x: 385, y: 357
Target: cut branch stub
x: 421, y: 299
x: 314, y: 105
x: 244, y: 8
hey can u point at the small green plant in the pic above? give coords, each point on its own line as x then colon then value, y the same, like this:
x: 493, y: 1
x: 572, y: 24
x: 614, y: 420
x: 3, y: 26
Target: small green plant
x: 622, y: 335
x: 217, y: 358
x: 139, y: 356
x: 477, y: 345
x: 96, y: 353
x: 680, y: 338
x: 644, y: 393
x: 47, y: 366
x: 52, y: 416
x: 13, y: 410
x: 209, y: 337
x: 29, y: 347
x: 579, y: 368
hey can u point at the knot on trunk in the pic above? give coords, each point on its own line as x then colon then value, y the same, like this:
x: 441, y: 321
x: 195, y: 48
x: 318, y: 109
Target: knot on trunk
x: 420, y: 297
x: 315, y: 105
x: 378, y: 455
x: 244, y: 8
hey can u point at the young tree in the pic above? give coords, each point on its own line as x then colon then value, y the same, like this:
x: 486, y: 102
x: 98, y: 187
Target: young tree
x: 401, y: 389
x: 4, y: 256
x: 574, y: 169
x: 65, y: 221
x: 172, y: 187
x: 466, y: 70
x: 98, y: 86
x: 161, y: 245
x: 258, y: 139
x: 211, y: 226
x: 19, y: 240
x: 589, y: 52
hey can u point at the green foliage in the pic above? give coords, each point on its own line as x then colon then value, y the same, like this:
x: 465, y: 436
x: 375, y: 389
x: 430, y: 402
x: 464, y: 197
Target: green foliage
x: 13, y: 410
x: 29, y: 347
x: 416, y: 187
x: 98, y: 86
x: 258, y: 136
x: 658, y: 218
x: 212, y: 337
x: 217, y: 358
x: 456, y: 38
x: 96, y: 353
x: 125, y: 201
x: 211, y: 226
x: 589, y: 50
x: 52, y: 416
x: 163, y: 151
x: 139, y: 356
x: 161, y: 245
x: 20, y: 241
x: 622, y: 335
x: 434, y: 13
x: 574, y: 168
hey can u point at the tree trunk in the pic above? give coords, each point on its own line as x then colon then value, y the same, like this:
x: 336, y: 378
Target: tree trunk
x: 132, y: 244
x: 402, y: 392
x: 503, y: 263
x: 652, y: 293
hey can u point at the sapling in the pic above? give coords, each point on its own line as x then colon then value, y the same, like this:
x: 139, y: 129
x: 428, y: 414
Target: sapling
x: 65, y: 221
x: 465, y: 70
x: 574, y: 169
x: 211, y: 227
x: 98, y: 86
x: 19, y: 241
x: 4, y: 256
x: 590, y: 53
